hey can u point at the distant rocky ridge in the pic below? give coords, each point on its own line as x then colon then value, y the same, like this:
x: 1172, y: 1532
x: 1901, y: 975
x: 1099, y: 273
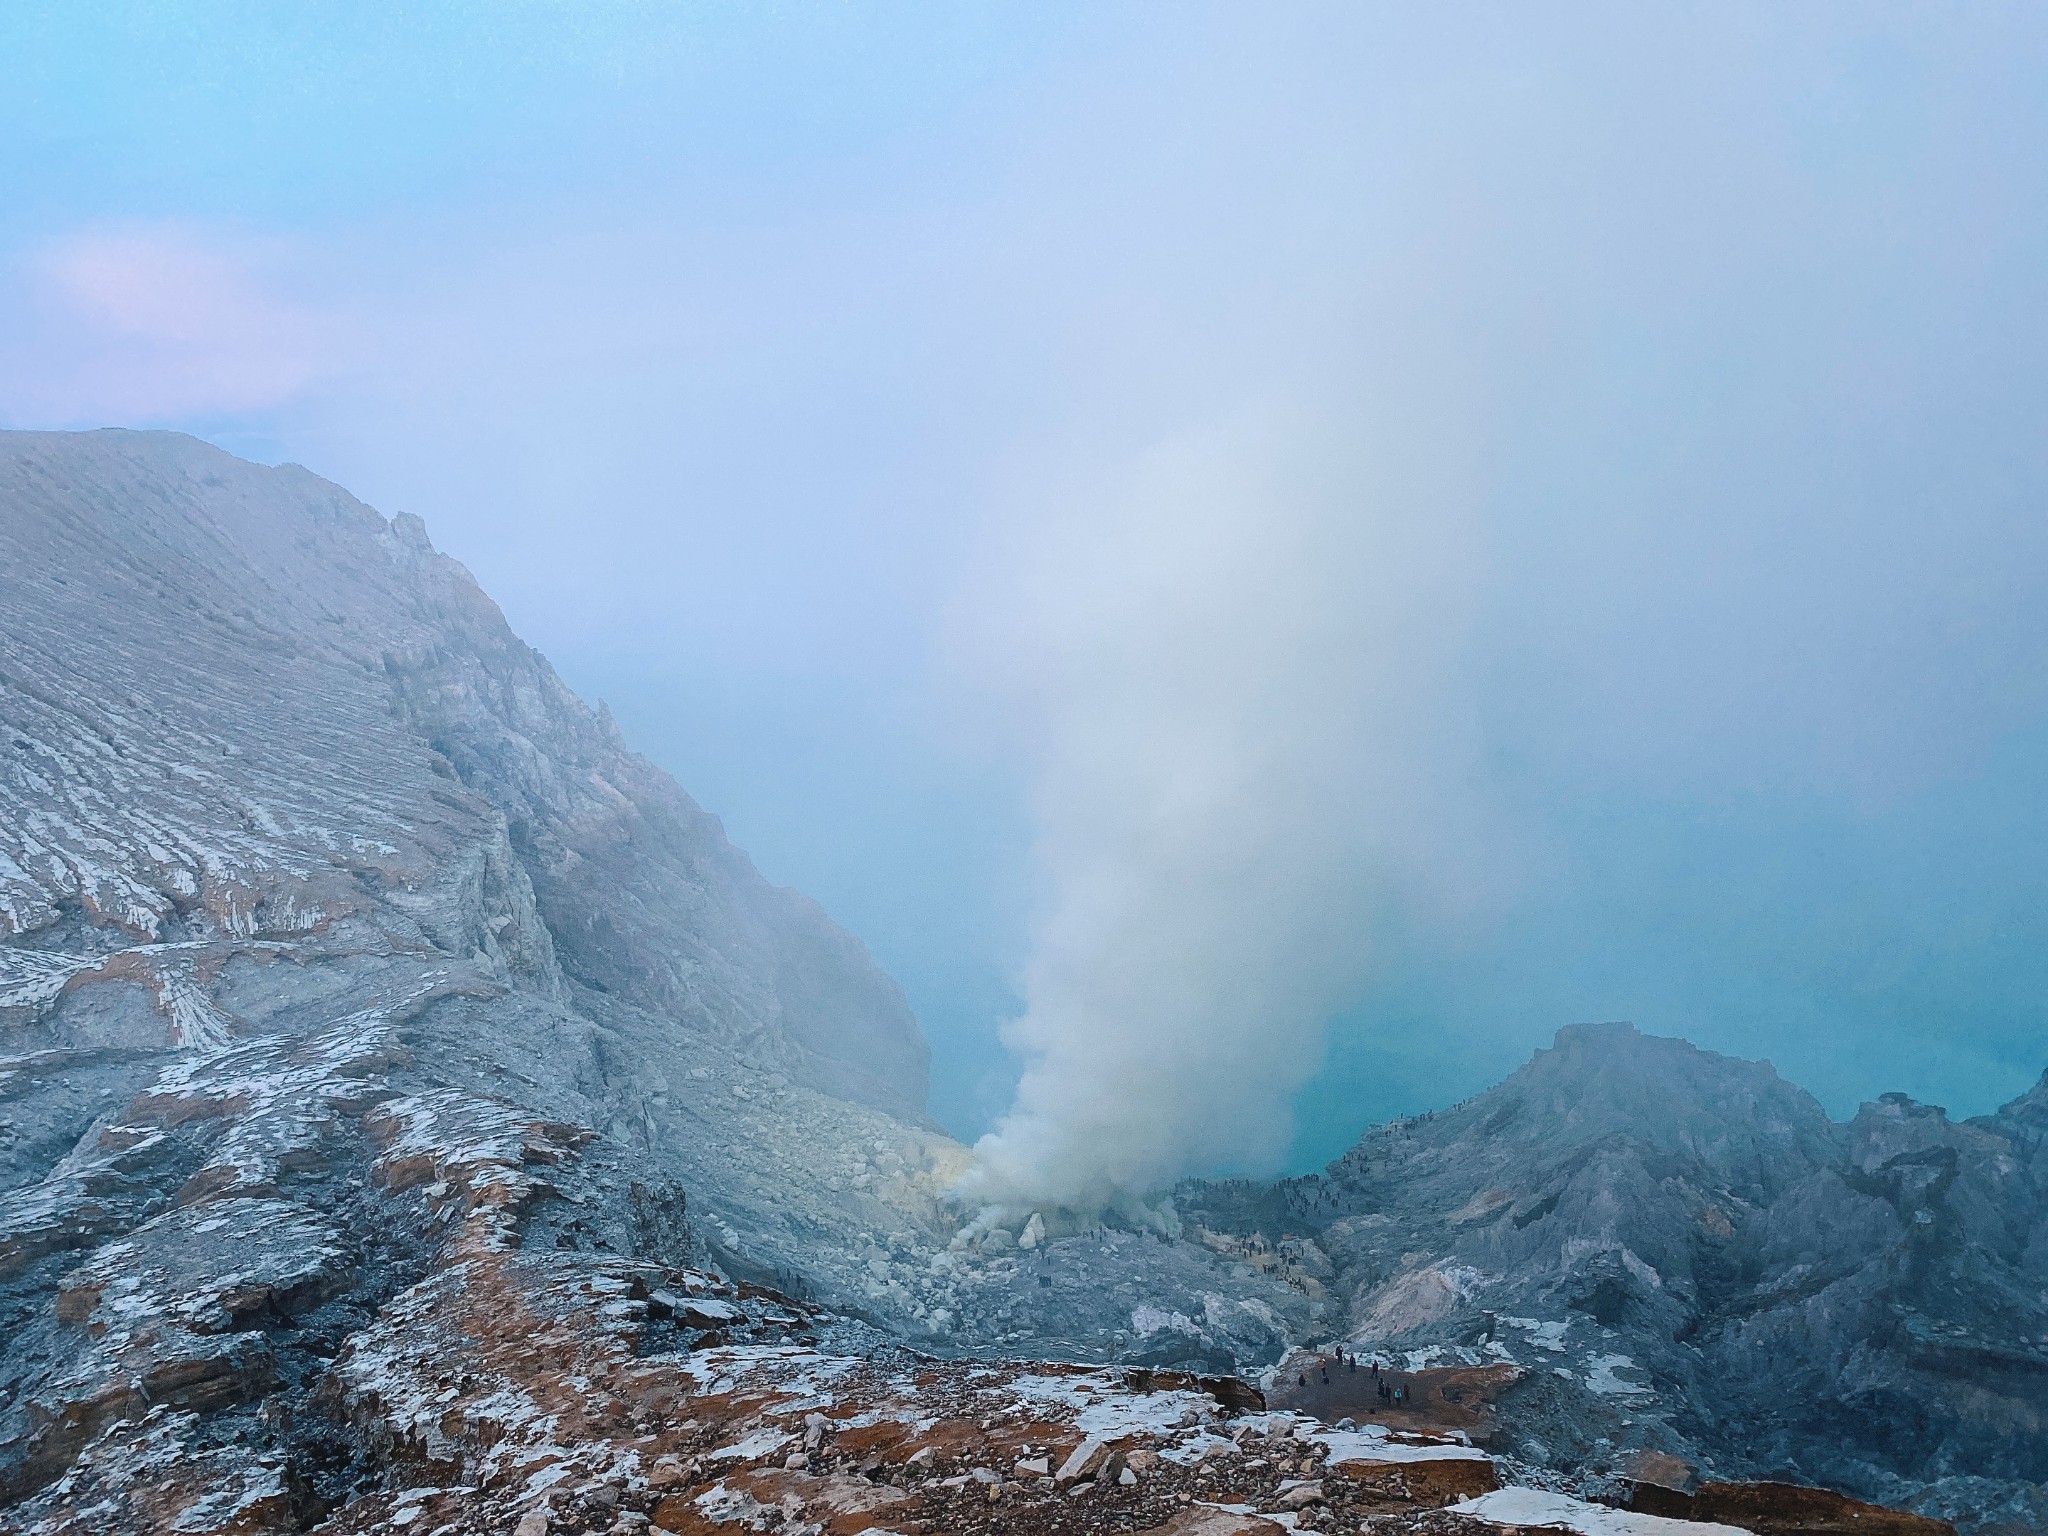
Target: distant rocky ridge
x: 1684, y: 1256
x: 380, y: 1039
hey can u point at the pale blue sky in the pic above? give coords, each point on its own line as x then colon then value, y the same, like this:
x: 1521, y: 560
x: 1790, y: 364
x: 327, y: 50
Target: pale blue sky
x: 739, y: 349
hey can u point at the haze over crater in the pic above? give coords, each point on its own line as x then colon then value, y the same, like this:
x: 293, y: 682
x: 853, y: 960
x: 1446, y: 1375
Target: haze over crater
x: 1289, y: 557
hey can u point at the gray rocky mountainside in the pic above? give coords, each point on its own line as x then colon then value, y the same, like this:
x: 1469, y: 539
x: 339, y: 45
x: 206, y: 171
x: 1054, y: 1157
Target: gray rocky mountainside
x: 336, y: 934
x: 404, y: 1084
x: 243, y: 703
x: 1685, y: 1255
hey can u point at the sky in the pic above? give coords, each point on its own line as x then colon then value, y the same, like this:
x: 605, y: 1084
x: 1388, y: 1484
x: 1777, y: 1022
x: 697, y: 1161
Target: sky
x: 1264, y: 558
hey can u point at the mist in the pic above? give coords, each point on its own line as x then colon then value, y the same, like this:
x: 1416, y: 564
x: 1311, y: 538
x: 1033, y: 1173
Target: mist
x: 1303, y: 626
x: 1263, y: 564
x: 1231, y: 655
x: 1216, y: 660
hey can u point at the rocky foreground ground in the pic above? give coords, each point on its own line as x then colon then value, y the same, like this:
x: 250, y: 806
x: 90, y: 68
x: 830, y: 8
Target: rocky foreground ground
x: 527, y: 1393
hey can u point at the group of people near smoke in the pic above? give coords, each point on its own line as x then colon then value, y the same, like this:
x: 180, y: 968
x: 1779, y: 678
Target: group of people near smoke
x: 1389, y: 1390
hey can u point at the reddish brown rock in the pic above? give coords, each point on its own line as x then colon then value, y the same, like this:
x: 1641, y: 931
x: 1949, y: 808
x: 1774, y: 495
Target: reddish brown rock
x: 1432, y: 1484
x: 1783, y: 1509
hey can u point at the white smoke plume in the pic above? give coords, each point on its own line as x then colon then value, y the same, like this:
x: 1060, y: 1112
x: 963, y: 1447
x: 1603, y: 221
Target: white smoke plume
x: 1233, y: 599
x: 1229, y: 653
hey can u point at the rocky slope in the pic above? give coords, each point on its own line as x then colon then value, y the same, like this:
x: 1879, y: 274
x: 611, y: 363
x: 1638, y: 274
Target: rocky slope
x: 532, y: 1393
x: 1681, y: 1255
x: 330, y: 918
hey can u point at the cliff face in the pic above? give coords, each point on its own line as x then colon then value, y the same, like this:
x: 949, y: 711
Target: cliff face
x: 243, y: 703
x: 339, y: 939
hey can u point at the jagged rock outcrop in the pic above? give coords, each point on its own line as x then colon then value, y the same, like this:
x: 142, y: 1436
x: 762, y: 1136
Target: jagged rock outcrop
x: 1684, y: 1255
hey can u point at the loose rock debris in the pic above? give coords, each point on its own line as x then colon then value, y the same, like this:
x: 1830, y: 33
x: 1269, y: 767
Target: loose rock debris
x: 539, y: 1393
x: 543, y: 1394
